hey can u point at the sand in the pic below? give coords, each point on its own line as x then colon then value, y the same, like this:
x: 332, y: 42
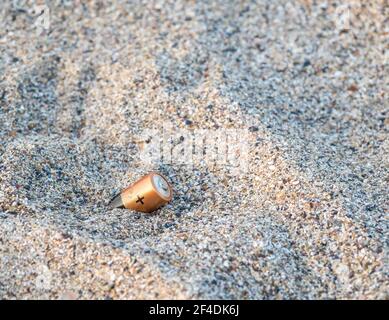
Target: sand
x: 306, y: 89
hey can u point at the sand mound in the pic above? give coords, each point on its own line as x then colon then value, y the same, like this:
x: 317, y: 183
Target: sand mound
x: 81, y: 102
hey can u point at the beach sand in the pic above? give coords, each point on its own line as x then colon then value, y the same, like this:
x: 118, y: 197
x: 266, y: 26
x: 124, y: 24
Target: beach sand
x: 305, y: 87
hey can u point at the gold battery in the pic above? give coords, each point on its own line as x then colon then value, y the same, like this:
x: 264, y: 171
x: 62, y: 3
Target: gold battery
x: 146, y: 195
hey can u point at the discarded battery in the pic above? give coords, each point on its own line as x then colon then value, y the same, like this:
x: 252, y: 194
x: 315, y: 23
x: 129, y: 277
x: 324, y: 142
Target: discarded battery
x: 146, y: 195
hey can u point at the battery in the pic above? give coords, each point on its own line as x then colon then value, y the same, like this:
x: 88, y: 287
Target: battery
x: 145, y: 195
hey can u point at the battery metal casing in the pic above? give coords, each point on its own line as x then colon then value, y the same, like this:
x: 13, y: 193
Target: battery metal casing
x: 145, y: 195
